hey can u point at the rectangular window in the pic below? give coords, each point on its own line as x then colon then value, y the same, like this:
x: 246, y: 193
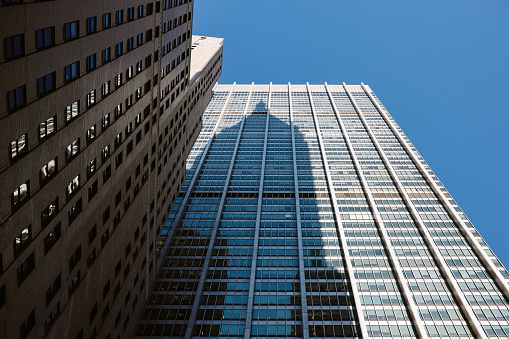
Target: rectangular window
x: 20, y: 195
x: 47, y: 128
x: 106, y: 55
x: 52, y: 317
x: 46, y: 84
x: 140, y: 39
x: 49, y: 212
x: 14, y: 46
x: 45, y: 38
x: 19, y: 147
x: 75, y: 258
x: 118, y: 80
x: 105, y: 88
x: 72, y: 30
x: 72, y: 71
x: 73, y: 186
x: 22, y: 241
x: 91, y: 64
x: 130, y: 44
x: 73, y: 285
x: 130, y: 14
x: 91, y: 98
x: 120, y: 17
x: 118, y: 111
x: 106, y: 153
x: 52, y: 238
x: 53, y: 289
x: 105, y: 122
x: 91, y: 134
x: 129, y: 73
x: 16, y: 98
x: 106, y: 20
x: 91, y: 167
x: 91, y: 25
x: 92, y: 234
x: 140, y: 11
x: 118, y: 140
x: 26, y: 268
x: 139, y: 66
x: 27, y: 325
x: 48, y: 170
x: 2, y: 296
x: 72, y: 111
x: 119, y: 49
x: 75, y: 210
x: 92, y: 190
x: 72, y: 150
x: 106, y: 174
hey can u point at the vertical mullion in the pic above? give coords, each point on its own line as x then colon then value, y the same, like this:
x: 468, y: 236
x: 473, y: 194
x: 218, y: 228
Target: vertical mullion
x: 197, y: 171
x: 302, y: 278
x: 339, y: 223
x: 435, y: 252
x: 252, y: 277
x: 391, y: 254
x: 474, y: 244
x: 196, y: 303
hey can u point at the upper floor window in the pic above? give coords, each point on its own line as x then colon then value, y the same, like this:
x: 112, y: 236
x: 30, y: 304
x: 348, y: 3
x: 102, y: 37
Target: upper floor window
x: 106, y: 20
x: 49, y: 212
x: 130, y: 44
x: 105, y: 88
x: 119, y: 48
x: 106, y: 55
x: 16, y: 98
x: 72, y: 150
x: 91, y: 25
x: 47, y: 127
x: 26, y: 268
x: 48, y: 170
x: 20, y: 195
x: 22, y: 241
x: 120, y: 17
x: 19, y: 147
x: 73, y: 186
x: 46, y: 84
x: 90, y: 62
x: 14, y: 46
x: 72, y: 30
x: 72, y: 71
x: 130, y: 14
x: 45, y: 37
x: 29, y: 322
x: 91, y: 98
x: 72, y: 111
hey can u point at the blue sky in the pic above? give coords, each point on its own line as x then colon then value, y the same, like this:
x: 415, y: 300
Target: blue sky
x: 440, y: 67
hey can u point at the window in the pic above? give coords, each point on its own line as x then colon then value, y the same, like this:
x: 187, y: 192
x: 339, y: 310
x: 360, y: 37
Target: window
x: 140, y: 11
x: 48, y: 170
x: 53, y: 289
x: 119, y: 49
x: 118, y: 140
x: 74, y: 283
x: 105, y: 88
x: 91, y: 167
x: 91, y: 98
x: 75, y: 258
x: 72, y: 150
x: 91, y: 258
x: 106, y: 153
x: 140, y: 39
x: 46, y: 84
x: 92, y: 191
x: 26, y: 268
x: 47, y: 128
x: 72, y: 71
x: 130, y: 14
x: 106, y: 55
x: 75, y: 210
x: 118, y: 111
x: 129, y: 73
x: 45, y: 37
x: 27, y: 325
x: 52, y: 238
x: 120, y: 17
x: 138, y: 93
x: 16, y: 98
x: 72, y: 111
x: 20, y: 195
x: 22, y: 241
x: 106, y: 174
x: 91, y: 25
x: 118, y: 80
x: 50, y: 320
x: 130, y: 44
x: 73, y: 186
x: 72, y: 30
x: 91, y: 134
x: 105, y: 121
x: 14, y: 46
x: 91, y: 62
x: 139, y: 66
x: 2, y: 296
x: 19, y: 147
x: 106, y: 20
x: 49, y: 212
x: 92, y: 234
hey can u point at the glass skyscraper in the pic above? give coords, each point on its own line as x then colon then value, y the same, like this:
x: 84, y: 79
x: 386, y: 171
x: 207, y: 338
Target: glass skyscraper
x: 307, y: 212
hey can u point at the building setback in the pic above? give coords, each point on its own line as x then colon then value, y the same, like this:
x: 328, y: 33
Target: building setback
x: 307, y: 212
x: 101, y: 103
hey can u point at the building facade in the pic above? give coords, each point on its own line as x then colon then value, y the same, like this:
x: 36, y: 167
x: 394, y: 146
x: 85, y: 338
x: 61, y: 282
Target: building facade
x: 101, y: 103
x: 307, y: 212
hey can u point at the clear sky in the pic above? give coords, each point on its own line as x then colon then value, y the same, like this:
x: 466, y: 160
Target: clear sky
x: 440, y: 67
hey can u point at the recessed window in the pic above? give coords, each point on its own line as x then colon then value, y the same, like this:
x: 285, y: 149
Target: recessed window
x: 119, y: 49
x: 72, y: 111
x: 19, y: 147
x: 22, y: 241
x: 73, y: 186
x: 106, y: 174
x: 140, y: 11
x: 46, y: 84
x: 92, y: 191
x: 72, y: 30
x: 75, y: 258
x: 29, y: 322
x: 118, y: 140
x: 20, y: 195
x: 48, y: 170
x: 47, y: 128
x: 118, y: 111
x: 118, y: 80
x: 72, y: 150
x: 91, y: 134
x: 53, y: 289
x: 26, y: 268
x: 91, y: 64
x: 106, y: 153
x: 120, y: 17
x: 139, y: 39
x: 49, y: 212
x: 106, y: 20
x: 105, y: 121
x: 72, y: 71
x: 91, y: 98
x: 106, y: 55
x: 2, y: 296
x: 14, y: 46
x: 45, y: 37
x: 52, y: 238
x: 73, y: 285
x: 52, y: 317
x: 16, y: 98
x: 130, y: 14
x: 91, y: 167
x: 130, y: 44
x: 75, y: 210
x: 105, y: 88
x: 91, y: 25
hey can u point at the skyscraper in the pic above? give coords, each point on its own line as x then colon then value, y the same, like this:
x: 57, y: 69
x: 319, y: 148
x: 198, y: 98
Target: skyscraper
x: 307, y: 212
x: 101, y: 103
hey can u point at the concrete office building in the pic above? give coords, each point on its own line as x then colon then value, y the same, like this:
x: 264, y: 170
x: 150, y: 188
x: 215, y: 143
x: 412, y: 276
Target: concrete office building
x: 307, y: 212
x: 101, y: 103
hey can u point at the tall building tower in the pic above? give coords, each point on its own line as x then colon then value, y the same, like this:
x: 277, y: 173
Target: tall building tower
x: 101, y: 102
x: 307, y: 212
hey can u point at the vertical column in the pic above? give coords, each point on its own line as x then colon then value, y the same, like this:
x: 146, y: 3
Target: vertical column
x: 213, y: 236
x: 414, y: 314
x: 302, y: 278
x: 488, y: 264
x: 252, y: 277
x: 435, y: 252
x: 182, y: 208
